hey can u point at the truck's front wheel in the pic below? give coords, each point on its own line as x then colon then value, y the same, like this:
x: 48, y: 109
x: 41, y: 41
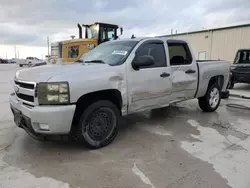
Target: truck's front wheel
x: 98, y: 125
x: 211, y: 101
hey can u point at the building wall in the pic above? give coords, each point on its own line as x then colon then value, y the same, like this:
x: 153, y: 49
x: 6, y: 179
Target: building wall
x: 218, y: 44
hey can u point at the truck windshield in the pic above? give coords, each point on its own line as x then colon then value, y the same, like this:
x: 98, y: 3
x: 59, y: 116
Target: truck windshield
x: 242, y: 57
x: 112, y: 53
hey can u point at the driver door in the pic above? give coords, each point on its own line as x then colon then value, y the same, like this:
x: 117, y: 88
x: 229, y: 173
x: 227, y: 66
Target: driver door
x: 150, y: 86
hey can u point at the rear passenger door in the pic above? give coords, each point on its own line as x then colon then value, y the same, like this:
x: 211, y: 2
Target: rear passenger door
x: 150, y: 86
x: 184, y: 70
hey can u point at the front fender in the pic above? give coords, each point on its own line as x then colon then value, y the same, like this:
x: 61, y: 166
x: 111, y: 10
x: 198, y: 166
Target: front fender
x: 80, y: 88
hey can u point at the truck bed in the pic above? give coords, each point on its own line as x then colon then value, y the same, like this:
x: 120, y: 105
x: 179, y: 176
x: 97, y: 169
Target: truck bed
x: 208, y: 69
x: 208, y: 60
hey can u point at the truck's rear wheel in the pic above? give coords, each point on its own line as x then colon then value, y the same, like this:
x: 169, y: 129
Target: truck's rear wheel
x: 211, y: 101
x: 98, y: 125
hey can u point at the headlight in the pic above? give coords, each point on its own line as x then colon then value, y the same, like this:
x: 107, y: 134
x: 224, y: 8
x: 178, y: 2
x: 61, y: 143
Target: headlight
x: 232, y: 67
x: 53, y: 93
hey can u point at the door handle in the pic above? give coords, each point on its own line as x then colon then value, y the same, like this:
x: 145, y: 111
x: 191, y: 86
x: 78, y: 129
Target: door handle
x: 164, y: 74
x: 190, y: 71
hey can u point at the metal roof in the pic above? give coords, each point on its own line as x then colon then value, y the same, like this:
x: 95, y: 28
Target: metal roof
x: 244, y: 49
x: 114, y: 25
x: 176, y: 41
x: 207, y: 30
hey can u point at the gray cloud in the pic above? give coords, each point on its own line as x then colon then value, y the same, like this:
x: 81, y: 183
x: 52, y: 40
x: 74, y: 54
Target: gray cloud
x: 222, y: 5
x: 233, y: 11
x: 30, y: 21
x: 8, y: 37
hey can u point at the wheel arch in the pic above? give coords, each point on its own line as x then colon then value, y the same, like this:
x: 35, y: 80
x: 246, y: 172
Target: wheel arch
x: 216, y: 80
x: 203, y: 88
x: 112, y: 95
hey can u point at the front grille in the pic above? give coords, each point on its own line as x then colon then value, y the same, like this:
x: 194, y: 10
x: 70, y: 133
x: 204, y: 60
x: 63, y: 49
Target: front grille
x: 25, y: 97
x: 25, y: 91
x: 25, y: 85
x: 28, y: 105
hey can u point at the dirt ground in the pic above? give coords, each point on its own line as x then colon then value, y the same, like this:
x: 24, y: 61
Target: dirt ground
x: 178, y: 147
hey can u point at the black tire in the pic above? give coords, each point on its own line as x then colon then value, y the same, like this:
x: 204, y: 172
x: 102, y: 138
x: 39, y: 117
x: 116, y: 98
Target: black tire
x: 230, y: 84
x: 225, y: 95
x: 204, y: 101
x: 20, y: 65
x: 91, y: 131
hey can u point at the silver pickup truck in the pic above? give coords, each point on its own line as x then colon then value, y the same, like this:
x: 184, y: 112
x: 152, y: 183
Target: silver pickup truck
x: 87, y: 98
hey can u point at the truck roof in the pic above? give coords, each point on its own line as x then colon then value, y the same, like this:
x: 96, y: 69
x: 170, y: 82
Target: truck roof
x: 164, y: 38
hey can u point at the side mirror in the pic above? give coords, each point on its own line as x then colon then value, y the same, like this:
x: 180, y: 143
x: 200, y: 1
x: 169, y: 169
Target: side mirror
x: 142, y: 61
x: 121, y: 30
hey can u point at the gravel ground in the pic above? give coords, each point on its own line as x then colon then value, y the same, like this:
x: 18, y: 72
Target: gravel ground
x: 178, y: 147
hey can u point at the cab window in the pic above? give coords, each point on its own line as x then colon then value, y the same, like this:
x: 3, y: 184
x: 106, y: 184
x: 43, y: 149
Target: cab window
x: 157, y: 51
x: 243, y: 57
x: 111, y: 33
x: 107, y: 34
x: 73, y: 51
x: 179, y: 54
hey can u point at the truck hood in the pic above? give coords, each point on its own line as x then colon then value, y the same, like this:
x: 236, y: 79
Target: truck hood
x: 241, y: 65
x: 45, y: 72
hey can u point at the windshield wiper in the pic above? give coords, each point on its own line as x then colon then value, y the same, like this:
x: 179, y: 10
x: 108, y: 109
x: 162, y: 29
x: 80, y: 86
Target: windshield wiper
x: 95, y: 61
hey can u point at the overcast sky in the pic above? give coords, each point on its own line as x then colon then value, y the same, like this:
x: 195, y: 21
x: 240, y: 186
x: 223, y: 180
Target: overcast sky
x: 27, y: 23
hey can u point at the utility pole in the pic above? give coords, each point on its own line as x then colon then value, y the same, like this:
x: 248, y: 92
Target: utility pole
x: 48, y: 48
x: 15, y: 51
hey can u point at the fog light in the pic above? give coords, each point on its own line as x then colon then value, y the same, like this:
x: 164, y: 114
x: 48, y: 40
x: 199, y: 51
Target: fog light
x: 44, y: 127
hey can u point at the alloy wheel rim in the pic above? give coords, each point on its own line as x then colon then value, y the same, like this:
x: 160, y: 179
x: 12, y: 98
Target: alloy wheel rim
x: 214, y: 97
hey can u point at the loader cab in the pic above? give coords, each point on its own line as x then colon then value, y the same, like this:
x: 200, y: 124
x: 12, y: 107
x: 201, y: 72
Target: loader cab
x: 102, y: 32
x: 90, y: 36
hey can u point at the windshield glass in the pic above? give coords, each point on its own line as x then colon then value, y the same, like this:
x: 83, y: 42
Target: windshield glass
x: 243, y: 57
x: 93, y: 31
x: 112, y: 53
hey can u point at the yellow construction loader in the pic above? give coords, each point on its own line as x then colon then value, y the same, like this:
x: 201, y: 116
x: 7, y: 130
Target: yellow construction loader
x: 95, y: 34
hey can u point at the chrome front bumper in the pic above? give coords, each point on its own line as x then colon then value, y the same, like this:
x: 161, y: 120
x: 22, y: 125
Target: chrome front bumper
x: 44, y: 120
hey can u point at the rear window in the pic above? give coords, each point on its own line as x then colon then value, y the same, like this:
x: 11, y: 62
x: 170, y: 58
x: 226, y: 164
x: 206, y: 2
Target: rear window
x: 242, y: 57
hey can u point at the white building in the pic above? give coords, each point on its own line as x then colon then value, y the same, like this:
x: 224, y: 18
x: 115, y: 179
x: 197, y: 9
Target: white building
x: 218, y: 43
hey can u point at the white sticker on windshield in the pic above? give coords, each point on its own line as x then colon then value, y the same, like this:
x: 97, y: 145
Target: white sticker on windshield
x: 120, y: 52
